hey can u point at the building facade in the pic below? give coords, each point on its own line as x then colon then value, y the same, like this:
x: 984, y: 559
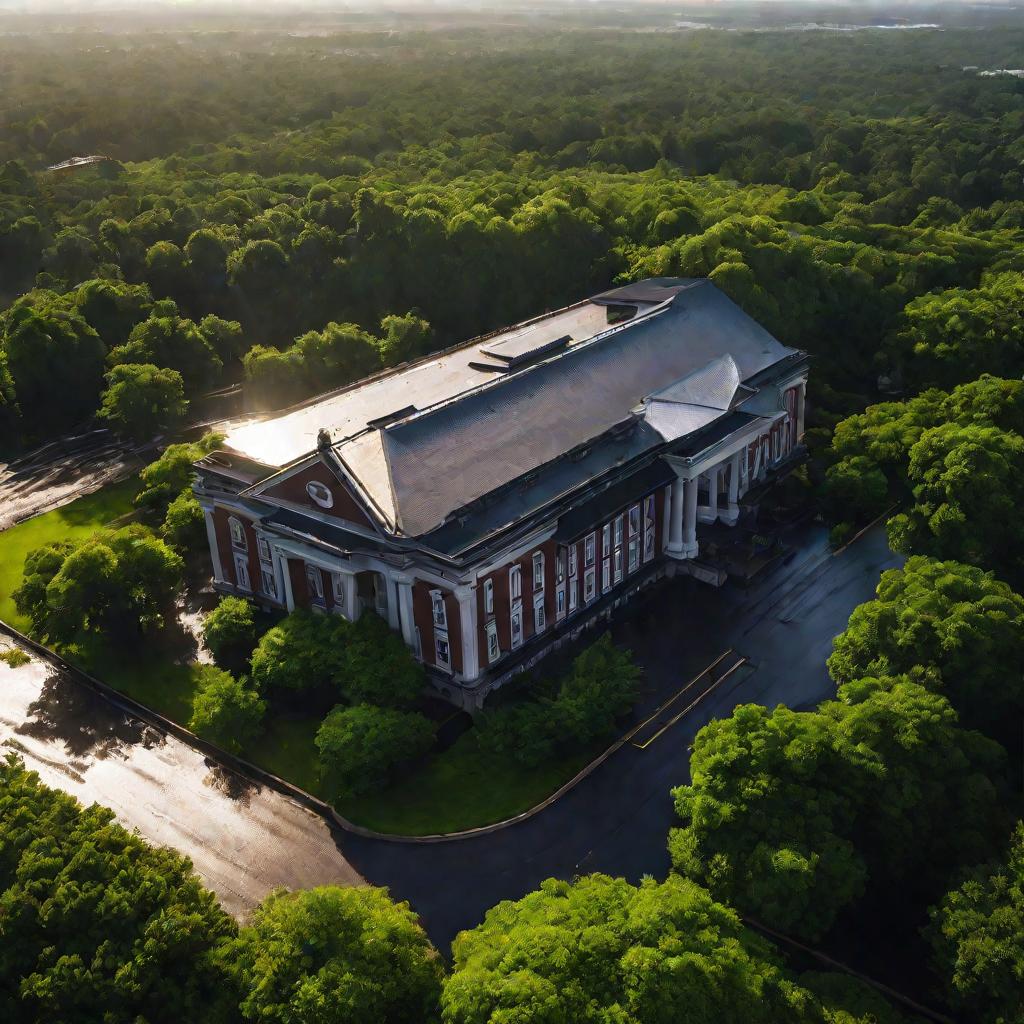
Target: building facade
x: 492, y: 500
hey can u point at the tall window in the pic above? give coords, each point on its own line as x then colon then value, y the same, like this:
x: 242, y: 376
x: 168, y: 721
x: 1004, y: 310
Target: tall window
x: 606, y: 539
x: 573, y: 595
x: 589, y: 585
x: 516, y: 622
x: 606, y: 574
x: 338, y: 589
x: 515, y: 582
x: 560, y: 601
x: 539, y: 619
x: 242, y: 571
x: 315, y: 582
x: 493, y: 647
x: 589, y: 546
x: 618, y: 565
x: 538, y: 570
x: 649, y: 525
x: 237, y: 533
x: 560, y: 565
x: 269, y: 581
x: 438, y: 610
x: 618, y: 531
x: 634, y: 520
x: 634, y: 553
x: 488, y: 596
x: 263, y: 546
x: 573, y: 555
x: 442, y: 652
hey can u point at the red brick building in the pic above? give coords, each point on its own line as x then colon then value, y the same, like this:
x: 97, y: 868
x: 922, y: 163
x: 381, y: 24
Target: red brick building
x: 491, y: 500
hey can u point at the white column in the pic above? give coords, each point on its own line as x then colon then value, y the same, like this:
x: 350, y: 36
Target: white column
x: 211, y: 536
x: 713, y: 494
x: 801, y: 401
x: 466, y: 596
x: 286, y: 580
x: 404, y: 586
x: 675, y: 518
x: 732, y: 512
x: 667, y: 518
x: 394, y: 621
x: 690, y: 520
x: 352, y: 610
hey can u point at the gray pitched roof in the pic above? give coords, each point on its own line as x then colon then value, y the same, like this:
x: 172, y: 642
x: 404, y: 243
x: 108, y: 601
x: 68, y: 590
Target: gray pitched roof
x: 678, y: 364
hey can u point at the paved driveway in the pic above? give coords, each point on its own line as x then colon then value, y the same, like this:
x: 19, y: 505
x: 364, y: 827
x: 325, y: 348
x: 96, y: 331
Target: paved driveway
x: 245, y: 841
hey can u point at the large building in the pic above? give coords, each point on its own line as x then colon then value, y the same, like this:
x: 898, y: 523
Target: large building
x: 491, y: 500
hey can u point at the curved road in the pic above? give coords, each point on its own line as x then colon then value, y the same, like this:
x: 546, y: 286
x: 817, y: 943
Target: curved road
x: 246, y: 840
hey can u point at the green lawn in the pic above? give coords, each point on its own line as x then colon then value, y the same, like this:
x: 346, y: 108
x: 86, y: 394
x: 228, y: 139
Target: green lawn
x: 79, y: 519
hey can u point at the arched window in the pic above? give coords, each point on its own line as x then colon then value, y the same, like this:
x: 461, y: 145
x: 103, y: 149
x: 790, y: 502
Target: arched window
x: 320, y: 493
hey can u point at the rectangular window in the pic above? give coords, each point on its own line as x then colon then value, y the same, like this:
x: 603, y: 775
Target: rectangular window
x: 560, y: 601
x: 573, y: 596
x: 242, y: 572
x: 573, y: 555
x: 315, y: 582
x: 493, y: 647
x: 634, y: 520
x: 263, y: 546
x: 269, y: 581
x: 338, y: 589
x: 618, y: 565
x: 515, y: 583
x: 634, y: 554
x: 648, y: 543
x: 438, y: 610
x: 488, y: 597
x: 538, y: 570
x: 589, y: 585
x: 539, y: 619
x: 560, y: 565
x: 618, y: 530
x: 589, y: 554
x: 606, y: 539
x: 442, y: 652
x: 237, y: 533
x: 516, y: 623
x: 606, y: 574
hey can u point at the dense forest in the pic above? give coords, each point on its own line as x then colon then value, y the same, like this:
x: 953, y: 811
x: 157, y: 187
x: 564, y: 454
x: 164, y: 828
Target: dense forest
x: 293, y: 210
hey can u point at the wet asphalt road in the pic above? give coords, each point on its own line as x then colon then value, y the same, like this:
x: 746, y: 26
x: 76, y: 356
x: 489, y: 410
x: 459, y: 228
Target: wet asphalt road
x: 246, y: 840
x: 617, y: 820
x: 243, y: 839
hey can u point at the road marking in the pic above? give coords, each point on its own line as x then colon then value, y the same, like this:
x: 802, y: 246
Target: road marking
x: 672, y: 721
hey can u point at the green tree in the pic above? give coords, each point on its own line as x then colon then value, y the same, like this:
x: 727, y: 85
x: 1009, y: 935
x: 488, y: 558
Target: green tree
x: 600, y: 950
x: 143, y: 400
x: 225, y: 337
x: 175, y: 343
x: 977, y: 937
x: 166, y: 477
x: 184, y: 525
x: 953, y: 620
x: 790, y: 814
x: 379, y: 668
x: 336, y: 956
x: 405, y: 338
x: 359, y: 746
x: 112, y: 582
x: 113, y: 309
x: 51, y: 351
x: 273, y: 379
x: 304, y: 651
x: 229, y: 631
x: 226, y: 711
x: 94, y: 923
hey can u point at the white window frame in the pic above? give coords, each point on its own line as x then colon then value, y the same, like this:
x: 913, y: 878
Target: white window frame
x: 267, y: 575
x: 634, y: 520
x: 516, y: 636
x: 589, y: 585
x: 488, y: 596
x: 438, y: 611
x: 263, y: 547
x: 538, y: 571
x: 237, y: 530
x: 560, y: 558
x: 315, y: 583
x: 617, y: 566
x: 606, y: 539
x: 338, y: 589
x: 589, y: 550
x: 540, y: 617
x: 606, y: 575
x: 634, y: 554
x: 441, y: 637
x: 242, y: 580
x: 574, y: 595
x: 573, y: 560
x: 515, y: 582
x: 560, y: 601
x: 493, y: 644
x: 619, y: 523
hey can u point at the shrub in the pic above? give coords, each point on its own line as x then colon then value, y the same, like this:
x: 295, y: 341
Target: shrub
x: 184, y: 526
x: 226, y: 711
x: 360, y: 745
x: 303, y: 652
x: 230, y: 632
x: 379, y: 668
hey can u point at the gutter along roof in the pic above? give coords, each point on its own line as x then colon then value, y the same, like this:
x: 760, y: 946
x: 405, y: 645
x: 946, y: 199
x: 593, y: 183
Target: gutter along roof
x: 524, y: 417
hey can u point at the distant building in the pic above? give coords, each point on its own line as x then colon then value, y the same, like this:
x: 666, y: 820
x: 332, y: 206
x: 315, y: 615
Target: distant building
x: 490, y: 500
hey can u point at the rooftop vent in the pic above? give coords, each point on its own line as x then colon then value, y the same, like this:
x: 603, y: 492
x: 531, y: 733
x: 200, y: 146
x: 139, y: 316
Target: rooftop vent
x: 525, y: 346
x: 392, y: 417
